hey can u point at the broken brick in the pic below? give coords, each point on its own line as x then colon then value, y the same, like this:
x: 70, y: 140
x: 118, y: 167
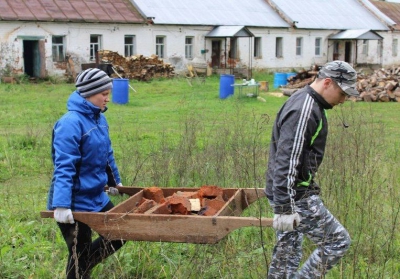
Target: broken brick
x: 179, y: 204
x: 216, y: 203
x: 208, y: 211
x: 144, y: 205
x: 189, y: 195
x: 210, y: 192
x: 154, y: 193
x: 164, y: 208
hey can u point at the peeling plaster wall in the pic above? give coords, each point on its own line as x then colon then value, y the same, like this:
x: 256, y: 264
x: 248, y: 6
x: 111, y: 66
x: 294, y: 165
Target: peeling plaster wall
x: 78, y: 44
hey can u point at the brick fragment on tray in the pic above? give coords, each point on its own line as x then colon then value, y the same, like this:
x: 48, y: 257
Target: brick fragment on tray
x: 179, y: 204
x: 154, y: 193
x: 210, y: 192
x: 207, y: 211
x: 216, y: 203
x: 145, y: 205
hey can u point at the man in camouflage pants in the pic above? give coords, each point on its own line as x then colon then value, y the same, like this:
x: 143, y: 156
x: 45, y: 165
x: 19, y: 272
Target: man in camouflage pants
x: 296, y: 151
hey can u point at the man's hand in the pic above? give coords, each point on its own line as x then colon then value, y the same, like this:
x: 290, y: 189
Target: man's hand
x: 286, y: 223
x: 63, y: 215
x: 114, y: 191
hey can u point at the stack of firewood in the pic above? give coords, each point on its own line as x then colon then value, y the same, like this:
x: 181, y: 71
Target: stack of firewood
x: 379, y: 86
x: 301, y: 79
x: 136, y: 67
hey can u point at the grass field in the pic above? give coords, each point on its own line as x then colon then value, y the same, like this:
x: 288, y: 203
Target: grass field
x: 173, y: 134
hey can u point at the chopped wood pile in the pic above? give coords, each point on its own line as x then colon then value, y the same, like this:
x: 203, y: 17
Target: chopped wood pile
x: 381, y: 85
x: 136, y: 67
x: 301, y: 79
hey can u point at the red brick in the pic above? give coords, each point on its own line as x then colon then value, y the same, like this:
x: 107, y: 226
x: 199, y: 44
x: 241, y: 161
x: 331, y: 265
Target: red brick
x: 189, y: 195
x: 179, y: 204
x: 154, y: 193
x: 216, y: 203
x: 210, y: 192
x: 208, y: 211
x: 164, y: 208
x: 144, y: 205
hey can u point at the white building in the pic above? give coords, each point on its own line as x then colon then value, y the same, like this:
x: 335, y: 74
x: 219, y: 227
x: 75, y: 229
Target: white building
x: 55, y: 37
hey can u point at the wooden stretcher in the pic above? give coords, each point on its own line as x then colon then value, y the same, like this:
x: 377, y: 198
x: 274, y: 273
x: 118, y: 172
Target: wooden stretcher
x: 120, y: 223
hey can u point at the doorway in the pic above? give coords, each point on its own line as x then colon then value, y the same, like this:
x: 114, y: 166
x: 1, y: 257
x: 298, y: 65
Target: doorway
x: 336, y: 53
x: 33, y: 55
x: 215, y: 53
x: 347, y: 52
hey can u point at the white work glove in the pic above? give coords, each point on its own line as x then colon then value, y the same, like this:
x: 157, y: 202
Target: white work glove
x: 114, y: 191
x: 286, y: 223
x: 63, y: 215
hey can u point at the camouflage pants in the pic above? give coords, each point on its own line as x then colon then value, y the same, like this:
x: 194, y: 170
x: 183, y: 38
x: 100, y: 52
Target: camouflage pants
x: 321, y: 227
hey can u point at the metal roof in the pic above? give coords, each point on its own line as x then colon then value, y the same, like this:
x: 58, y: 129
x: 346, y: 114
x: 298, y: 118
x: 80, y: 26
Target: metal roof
x: 211, y: 12
x: 118, y: 11
x: 229, y: 31
x: 392, y: 10
x: 332, y: 14
x: 360, y: 34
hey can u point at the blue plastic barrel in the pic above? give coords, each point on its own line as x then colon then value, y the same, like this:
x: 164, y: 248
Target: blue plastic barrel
x: 225, y: 86
x: 120, y: 91
x: 279, y: 79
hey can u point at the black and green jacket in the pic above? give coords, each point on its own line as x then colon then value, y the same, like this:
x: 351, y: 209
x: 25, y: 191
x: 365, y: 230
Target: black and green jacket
x: 297, y: 149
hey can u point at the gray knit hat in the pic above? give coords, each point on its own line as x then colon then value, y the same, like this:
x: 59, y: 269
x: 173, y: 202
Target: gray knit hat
x: 343, y: 74
x: 92, y: 81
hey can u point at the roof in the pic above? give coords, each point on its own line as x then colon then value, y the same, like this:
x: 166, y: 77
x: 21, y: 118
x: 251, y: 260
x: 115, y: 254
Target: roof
x: 390, y: 9
x: 360, y: 34
x: 229, y: 31
x: 116, y: 11
x: 332, y: 14
x: 211, y: 12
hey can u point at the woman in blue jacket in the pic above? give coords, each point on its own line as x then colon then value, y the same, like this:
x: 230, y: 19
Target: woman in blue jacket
x: 83, y: 164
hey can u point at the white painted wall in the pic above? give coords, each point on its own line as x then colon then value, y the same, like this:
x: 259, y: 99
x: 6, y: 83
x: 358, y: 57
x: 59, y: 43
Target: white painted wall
x: 78, y: 44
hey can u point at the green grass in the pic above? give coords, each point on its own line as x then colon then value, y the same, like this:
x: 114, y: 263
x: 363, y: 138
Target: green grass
x: 172, y: 134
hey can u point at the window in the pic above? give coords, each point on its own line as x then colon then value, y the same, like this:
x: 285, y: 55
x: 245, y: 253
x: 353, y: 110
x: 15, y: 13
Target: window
x: 129, y: 45
x: 189, y: 47
x: 58, y: 48
x: 160, y: 46
x: 299, y: 46
x: 95, y: 46
x: 395, y: 45
x: 279, y: 47
x: 257, y: 47
x: 318, y: 46
x: 365, y: 47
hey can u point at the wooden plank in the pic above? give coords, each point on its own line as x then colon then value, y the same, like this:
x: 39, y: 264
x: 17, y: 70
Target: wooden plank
x: 129, y: 205
x: 234, y: 205
x: 168, y: 228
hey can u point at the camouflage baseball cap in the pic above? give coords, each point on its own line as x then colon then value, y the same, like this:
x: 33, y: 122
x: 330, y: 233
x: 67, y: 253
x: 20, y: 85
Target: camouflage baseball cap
x: 343, y: 74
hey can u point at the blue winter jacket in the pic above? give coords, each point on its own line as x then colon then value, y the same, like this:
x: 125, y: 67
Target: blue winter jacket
x: 83, y: 158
